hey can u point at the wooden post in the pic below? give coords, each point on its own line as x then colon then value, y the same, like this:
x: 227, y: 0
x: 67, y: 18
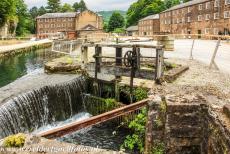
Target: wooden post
x: 214, y: 55
x: 71, y: 48
x: 118, y: 59
x: 138, y: 58
x: 52, y: 49
x: 98, y: 60
x: 84, y: 55
x: 159, y: 63
x: 191, y: 52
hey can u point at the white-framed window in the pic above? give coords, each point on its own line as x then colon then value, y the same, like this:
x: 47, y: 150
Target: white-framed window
x: 183, y: 20
x: 178, y: 11
x: 169, y: 14
x: 216, y: 3
x: 200, y: 6
x: 227, y: 2
x: 165, y: 22
x: 189, y: 19
x: 216, y: 31
x: 178, y: 21
x: 207, y: 17
x: 207, y: 30
x: 189, y: 9
x: 226, y: 14
x: 199, y: 18
x: 208, y: 5
x: 216, y: 15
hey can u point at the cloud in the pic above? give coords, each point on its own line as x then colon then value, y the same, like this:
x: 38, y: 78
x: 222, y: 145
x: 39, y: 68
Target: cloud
x: 96, y: 5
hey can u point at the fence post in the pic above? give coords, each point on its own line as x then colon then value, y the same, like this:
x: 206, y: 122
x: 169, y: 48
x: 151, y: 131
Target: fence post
x: 118, y: 58
x: 213, y: 63
x: 191, y: 52
x: 159, y: 63
x: 52, y: 49
x: 71, y: 48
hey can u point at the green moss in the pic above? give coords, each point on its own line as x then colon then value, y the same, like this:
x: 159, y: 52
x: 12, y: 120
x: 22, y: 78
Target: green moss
x: 17, y: 140
x: 159, y: 148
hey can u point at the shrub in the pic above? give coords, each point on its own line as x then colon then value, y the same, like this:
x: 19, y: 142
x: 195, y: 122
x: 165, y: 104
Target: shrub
x: 136, y: 140
x: 17, y: 140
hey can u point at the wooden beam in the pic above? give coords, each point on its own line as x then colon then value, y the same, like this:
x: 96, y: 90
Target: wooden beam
x: 73, y: 127
x: 124, y: 71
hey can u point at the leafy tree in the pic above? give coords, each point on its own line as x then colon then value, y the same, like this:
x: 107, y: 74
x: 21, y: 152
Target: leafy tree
x: 7, y: 11
x: 171, y: 3
x: 34, y: 12
x: 143, y: 8
x: 116, y: 21
x: 76, y: 6
x: 54, y: 6
x: 23, y: 18
x: 67, y: 8
x: 82, y: 6
x: 42, y: 10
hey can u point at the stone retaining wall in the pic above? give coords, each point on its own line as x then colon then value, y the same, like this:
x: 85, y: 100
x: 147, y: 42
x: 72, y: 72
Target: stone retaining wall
x: 188, y: 125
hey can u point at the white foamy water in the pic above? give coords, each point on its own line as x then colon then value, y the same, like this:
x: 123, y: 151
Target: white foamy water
x: 78, y: 117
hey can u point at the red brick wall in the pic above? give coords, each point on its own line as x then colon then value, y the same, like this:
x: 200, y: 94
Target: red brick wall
x: 169, y: 23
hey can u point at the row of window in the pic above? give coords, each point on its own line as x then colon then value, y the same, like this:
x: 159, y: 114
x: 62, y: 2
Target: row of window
x: 200, y: 7
x: 146, y: 28
x: 146, y: 22
x: 55, y: 25
x: 214, y: 31
x: 199, y: 18
x: 55, y: 19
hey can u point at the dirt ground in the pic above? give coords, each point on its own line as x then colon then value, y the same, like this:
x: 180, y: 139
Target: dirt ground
x: 10, y: 42
x: 198, y: 80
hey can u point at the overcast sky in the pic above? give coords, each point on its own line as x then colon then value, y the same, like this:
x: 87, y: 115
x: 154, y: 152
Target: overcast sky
x: 95, y: 5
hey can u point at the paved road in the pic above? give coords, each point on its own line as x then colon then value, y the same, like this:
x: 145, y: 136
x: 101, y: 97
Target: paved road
x: 8, y: 48
x: 203, y: 51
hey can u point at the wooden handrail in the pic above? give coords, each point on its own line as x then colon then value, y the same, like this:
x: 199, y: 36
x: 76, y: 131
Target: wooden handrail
x: 70, y: 128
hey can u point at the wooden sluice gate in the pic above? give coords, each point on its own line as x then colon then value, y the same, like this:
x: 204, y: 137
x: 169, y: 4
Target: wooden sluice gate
x: 127, y: 64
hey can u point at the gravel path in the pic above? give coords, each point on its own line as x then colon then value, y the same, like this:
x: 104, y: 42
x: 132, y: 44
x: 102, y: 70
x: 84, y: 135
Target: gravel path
x: 199, y: 80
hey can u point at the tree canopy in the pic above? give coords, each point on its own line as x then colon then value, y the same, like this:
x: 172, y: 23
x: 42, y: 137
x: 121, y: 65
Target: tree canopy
x: 143, y: 8
x: 53, y: 6
x: 116, y: 21
x: 81, y: 6
x: 67, y: 8
x: 7, y: 11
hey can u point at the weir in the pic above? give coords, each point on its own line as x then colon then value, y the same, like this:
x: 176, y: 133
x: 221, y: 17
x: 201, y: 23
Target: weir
x: 40, y: 107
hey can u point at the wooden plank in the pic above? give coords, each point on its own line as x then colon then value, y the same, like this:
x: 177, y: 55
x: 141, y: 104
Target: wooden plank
x: 124, y: 45
x: 124, y: 71
x: 70, y: 128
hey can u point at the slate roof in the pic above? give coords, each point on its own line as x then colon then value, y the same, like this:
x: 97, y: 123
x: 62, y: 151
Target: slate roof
x: 132, y: 28
x: 155, y: 16
x: 58, y: 15
x: 190, y: 3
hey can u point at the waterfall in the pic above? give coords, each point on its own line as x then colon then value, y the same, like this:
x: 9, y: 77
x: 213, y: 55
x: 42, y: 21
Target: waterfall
x: 40, y: 107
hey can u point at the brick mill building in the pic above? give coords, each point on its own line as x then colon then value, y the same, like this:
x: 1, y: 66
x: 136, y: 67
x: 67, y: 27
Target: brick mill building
x: 197, y: 17
x: 149, y: 25
x: 70, y: 25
